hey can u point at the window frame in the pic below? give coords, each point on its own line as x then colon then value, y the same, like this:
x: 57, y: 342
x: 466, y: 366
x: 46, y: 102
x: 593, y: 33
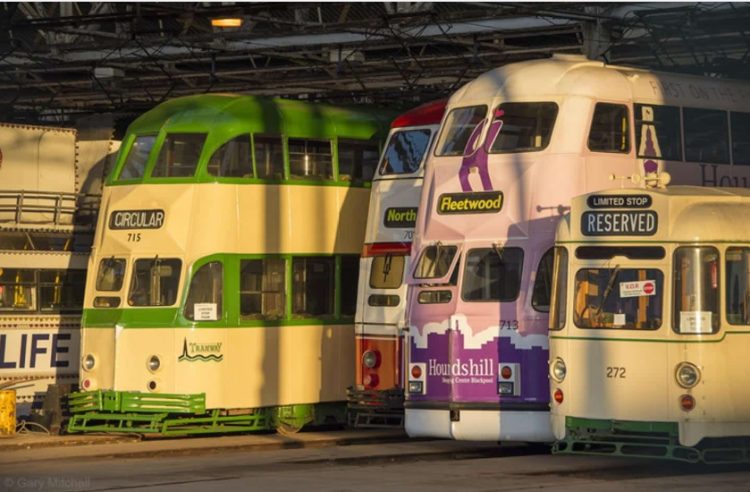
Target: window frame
x: 628, y: 132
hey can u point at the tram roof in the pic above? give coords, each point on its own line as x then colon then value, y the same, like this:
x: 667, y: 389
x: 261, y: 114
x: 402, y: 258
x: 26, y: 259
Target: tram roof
x: 246, y: 113
x: 684, y: 214
x: 574, y: 75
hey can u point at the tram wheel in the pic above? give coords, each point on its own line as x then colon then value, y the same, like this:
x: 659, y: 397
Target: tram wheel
x: 288, y: 428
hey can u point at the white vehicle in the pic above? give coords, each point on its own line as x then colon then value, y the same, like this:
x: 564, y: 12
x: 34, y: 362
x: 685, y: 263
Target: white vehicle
x: 46, y: 228
x: 377, y: 398
x: 650, y: 327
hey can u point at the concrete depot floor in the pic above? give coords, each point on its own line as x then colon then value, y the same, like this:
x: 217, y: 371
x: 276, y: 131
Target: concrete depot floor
x: 36, y: 446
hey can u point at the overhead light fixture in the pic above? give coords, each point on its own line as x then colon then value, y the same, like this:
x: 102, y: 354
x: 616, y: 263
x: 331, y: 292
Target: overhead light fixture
x: 227, y: 22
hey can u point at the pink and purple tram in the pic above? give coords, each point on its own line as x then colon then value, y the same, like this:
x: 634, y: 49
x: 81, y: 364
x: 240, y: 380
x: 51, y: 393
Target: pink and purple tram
x: 515, y: 146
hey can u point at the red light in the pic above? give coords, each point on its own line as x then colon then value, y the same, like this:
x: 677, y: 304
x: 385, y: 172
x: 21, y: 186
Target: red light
x: 416, y: 372
x: 430, y: 113
x: 559, y: 396
x: 86, y: 384
x: 687, y: 402
x: 506, y: 372
x: 379, y: 249
x: 371, y: 380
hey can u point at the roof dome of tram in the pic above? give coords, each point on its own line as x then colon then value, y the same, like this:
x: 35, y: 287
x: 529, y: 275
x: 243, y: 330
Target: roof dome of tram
x: 205, y: 112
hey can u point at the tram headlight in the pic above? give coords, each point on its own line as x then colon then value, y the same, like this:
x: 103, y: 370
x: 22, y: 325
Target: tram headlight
x: 154, y: 363
x: 558, y: 370
x: 88, y: 362
x: 687, y: 375
x: 371, y: 359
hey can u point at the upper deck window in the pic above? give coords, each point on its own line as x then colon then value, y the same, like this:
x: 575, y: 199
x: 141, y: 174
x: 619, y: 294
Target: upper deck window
x: 618, y: 298
x: 357, y: 160
x: 310, y: 159
x: 526, y: 127
x: 435, y: 261
x: 457, y: 129
x: 405, y: 152
x: 135, y: 163
x: 269, y: 156
x: 233, y: 159
x: 696, y: 290
x: 609, y: 129
x: 155, y: 282
x: 657, y: 132
x: 706, y: 136
x: 179, y: 155
x: 740, y: 138
x: 492, y: 274
x: 738, y: 286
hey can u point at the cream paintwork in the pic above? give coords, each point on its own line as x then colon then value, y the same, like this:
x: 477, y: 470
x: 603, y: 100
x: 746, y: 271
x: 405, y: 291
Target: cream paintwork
x: 220, y: 224
x: 649, y: 392
x: 37, y: 158
x: 261, y: 366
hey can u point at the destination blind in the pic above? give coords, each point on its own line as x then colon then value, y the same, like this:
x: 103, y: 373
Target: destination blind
x: 619, y: 223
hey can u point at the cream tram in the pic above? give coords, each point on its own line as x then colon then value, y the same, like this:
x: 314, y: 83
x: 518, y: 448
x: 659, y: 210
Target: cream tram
x: 222, y: 283
x: 650, y: 326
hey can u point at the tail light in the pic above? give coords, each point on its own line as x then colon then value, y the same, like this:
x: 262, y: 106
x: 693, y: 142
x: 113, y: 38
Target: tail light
x: 416, y: 372
x: 558, y: 396
x: 506, y: 372
x: 687, y: 402
x: 371, y: 380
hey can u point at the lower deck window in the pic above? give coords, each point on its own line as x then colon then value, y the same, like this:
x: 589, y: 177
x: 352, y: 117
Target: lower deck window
x: 492, y: 274
x: 696, y: 290
x: 387, y: 271
x: 155, y: 282
x: 313, y: 286
x: 348, y: 286
x: 46, y: 291
x: 618, y: 298
x: 738, y: 286
x: 262, y: 286
x: 204, y: 300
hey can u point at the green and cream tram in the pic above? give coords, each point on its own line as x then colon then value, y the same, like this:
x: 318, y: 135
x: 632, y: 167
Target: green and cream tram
x: 650, y: 330
x: 222, y: 284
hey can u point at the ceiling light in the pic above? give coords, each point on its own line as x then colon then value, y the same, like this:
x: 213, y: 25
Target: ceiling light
x: 227, y: 22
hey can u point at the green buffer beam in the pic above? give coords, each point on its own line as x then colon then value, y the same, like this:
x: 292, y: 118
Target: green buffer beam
x: 655, y: 440
x: 179, y: 415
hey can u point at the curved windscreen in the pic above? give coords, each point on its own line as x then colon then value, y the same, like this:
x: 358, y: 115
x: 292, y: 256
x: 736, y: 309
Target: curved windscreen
x: 458, y: 128
x: 526, y: 127
x: 135, y: 163
x: 618, y: 298
x: 405, y: 152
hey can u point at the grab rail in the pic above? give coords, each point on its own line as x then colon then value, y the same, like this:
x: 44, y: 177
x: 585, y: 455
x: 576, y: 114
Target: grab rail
x: 45, y: 207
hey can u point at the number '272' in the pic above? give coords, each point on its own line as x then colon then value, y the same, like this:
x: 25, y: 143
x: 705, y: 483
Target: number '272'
x: 615, y: 372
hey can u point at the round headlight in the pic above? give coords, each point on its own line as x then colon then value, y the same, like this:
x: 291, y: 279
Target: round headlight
x: 88, y: 362
x: 371, y: 359
x: 154, y: 363
x: 687, y: 375
x: 558, y: 370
